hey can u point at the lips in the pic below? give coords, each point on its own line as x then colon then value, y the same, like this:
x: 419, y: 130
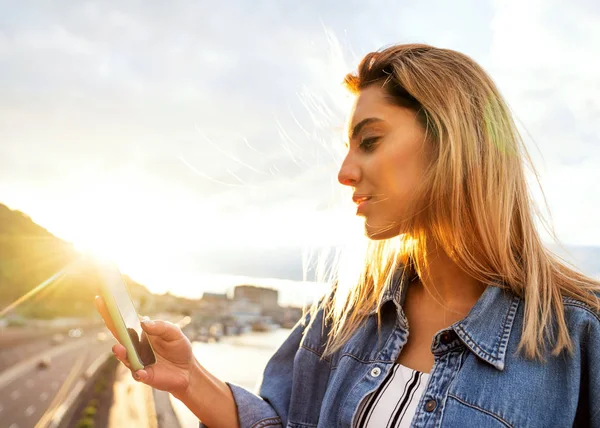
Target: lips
x: 358, y: 199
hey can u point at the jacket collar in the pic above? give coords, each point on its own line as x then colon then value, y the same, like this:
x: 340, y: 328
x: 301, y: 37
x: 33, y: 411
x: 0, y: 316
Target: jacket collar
x: 394, y: 292
x: 485, y: 330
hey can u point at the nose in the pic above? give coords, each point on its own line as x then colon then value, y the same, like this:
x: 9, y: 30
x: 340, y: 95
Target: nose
x: 349, y: 173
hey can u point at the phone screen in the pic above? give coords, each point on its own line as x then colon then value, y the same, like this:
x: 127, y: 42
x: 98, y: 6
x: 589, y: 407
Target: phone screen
x: 117, y: 287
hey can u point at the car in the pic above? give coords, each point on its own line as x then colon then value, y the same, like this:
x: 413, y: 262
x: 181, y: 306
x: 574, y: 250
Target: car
x: 75, y: 332
x: 44, y: 363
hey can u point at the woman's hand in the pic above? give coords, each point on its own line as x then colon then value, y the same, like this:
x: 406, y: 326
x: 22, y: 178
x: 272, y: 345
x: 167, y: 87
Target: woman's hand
x: 174, y: 357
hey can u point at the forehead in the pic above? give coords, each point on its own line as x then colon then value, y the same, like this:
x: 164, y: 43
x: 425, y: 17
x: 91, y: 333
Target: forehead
x: 370, y: 102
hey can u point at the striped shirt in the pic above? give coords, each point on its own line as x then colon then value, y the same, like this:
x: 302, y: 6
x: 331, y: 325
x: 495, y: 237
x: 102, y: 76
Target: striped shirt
x: 394, y: 404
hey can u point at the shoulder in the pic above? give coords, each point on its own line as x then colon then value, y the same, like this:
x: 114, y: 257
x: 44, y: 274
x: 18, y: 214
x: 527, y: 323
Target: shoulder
x: 581, y: 309
x: 583, y: 320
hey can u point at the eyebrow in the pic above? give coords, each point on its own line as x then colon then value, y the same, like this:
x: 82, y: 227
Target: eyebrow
x: 360, y: 125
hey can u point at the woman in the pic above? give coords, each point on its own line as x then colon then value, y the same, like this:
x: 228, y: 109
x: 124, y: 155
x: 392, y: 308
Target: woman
x: 461, y: 316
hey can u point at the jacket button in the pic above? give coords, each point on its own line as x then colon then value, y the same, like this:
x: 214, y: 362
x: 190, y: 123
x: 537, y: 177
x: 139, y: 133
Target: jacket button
x: 446, y: 338
x: 430, y: 405
x: 376, y: 372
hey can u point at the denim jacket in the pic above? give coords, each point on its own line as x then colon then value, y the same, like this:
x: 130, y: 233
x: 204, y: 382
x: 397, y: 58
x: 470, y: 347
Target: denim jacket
x: 477, y: 380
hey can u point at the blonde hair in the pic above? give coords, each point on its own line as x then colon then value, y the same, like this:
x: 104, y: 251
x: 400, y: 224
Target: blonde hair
x: 473, y: 202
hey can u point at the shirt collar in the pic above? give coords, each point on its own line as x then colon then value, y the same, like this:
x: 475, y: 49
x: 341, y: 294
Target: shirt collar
x: 485, y: 330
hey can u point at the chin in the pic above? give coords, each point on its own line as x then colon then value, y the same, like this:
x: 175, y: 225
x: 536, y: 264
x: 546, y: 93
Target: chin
x: 376, y: 233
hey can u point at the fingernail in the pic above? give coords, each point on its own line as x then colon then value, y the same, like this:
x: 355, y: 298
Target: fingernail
x: 148, y: 323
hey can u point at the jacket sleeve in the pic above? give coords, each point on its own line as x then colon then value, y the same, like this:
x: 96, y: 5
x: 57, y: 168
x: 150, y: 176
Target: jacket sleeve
x: 257, y: 411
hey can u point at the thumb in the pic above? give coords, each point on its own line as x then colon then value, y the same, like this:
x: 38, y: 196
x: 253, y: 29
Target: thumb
x: 163, y: 329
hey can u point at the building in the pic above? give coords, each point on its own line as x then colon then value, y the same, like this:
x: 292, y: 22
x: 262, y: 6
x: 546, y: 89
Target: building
x: 214, y: 304
x: 266, y: 298
x: 244, y: 312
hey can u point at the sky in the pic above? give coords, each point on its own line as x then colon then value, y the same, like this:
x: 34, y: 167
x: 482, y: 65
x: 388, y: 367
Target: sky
x: 199, y: 143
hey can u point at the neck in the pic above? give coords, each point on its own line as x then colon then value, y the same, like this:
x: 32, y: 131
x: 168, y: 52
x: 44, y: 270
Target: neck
x: 445, y: 284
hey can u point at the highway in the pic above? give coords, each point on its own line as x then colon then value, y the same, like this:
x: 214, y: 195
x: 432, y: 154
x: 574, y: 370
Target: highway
x: 30, y: 393
x: 12, y: 355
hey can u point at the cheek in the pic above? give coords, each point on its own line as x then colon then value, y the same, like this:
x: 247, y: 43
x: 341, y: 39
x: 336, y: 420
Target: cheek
x: 401, y: 174
x: 403, y: 171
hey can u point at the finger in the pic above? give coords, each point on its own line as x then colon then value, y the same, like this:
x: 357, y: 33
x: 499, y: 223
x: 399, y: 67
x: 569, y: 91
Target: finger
x: 163, y: 329
x: 140, y: 375
x: 121, y: 355
x: 103, y: 311
x: 123, y: 361
x: 119, y: 350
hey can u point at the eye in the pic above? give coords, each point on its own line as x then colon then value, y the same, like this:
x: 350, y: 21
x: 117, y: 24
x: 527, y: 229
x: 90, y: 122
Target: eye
x: 368, y: 144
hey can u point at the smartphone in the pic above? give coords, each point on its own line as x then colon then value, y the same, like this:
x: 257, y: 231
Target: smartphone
x: 124, y: 316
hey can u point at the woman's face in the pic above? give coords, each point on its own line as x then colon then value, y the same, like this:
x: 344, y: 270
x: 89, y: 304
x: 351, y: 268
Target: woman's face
x: 387, y: 157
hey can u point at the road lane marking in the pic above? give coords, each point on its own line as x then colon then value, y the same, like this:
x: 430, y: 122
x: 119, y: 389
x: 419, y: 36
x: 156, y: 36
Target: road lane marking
x: 67, y: 403
x: 46, y: 418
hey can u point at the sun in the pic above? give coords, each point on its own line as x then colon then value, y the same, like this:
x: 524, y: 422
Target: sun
x: 102, y: 243
x: 94, y: 249
x: 103, y: 221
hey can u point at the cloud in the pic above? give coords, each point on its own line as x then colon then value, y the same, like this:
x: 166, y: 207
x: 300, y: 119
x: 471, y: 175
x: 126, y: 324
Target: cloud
x: 230, y: 114
x: 542, y: 57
